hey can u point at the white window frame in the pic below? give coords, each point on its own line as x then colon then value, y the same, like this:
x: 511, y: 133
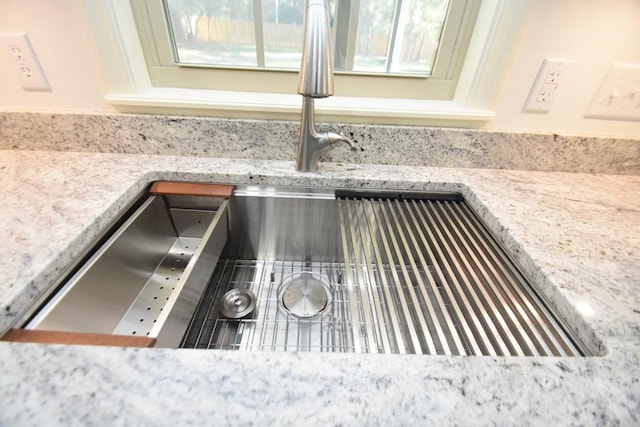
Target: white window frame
x: 131, y: 89
x: 165, y: 71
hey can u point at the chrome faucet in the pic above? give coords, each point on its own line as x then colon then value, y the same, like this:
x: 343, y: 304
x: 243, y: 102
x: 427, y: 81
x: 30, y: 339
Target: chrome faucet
x: 316, y: 81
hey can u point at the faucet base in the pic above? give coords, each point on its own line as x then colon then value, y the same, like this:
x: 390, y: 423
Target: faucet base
x: 312, y: 143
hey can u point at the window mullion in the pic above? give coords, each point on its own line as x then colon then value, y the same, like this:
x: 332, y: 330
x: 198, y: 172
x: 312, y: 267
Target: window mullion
x: 258, y: 32
x: 353, y: 34
x: 345, y: 33
x: 397, y: 34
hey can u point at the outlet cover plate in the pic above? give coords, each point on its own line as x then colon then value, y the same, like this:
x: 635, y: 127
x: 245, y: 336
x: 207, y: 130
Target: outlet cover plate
x: 551, y: 76
x: 23, y: 59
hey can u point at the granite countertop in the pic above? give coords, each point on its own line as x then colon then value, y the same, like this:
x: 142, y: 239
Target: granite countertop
x: 576, y: 234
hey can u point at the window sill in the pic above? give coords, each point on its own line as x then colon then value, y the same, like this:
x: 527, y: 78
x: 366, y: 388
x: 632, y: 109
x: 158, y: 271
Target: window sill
x: 288, y: 107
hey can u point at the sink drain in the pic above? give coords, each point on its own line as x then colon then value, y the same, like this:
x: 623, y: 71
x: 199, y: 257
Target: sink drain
x: 237, y: 303
x: 305, y: 294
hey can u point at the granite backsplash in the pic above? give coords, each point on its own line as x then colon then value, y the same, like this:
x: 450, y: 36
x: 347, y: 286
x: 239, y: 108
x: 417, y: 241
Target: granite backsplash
x: 276, y: 140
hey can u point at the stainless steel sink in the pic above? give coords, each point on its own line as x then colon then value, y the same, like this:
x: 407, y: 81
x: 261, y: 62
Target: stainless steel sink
x: 311, y: 270
x: 386, y: 272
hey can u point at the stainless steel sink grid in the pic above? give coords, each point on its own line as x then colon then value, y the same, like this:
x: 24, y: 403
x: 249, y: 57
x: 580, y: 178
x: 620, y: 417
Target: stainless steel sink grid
x: 271, y: 327
x: 410, y: 273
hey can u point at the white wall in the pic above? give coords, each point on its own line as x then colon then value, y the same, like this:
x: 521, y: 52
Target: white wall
x: 594, y: 33
x: 61, y: 37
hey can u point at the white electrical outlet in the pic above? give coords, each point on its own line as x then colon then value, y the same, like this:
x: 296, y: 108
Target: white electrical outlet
x: 548, y: 81
x: 23, y: 59
x: 619, y: 95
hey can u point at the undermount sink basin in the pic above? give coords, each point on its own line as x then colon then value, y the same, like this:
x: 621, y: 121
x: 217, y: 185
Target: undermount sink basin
x: 290, y: 269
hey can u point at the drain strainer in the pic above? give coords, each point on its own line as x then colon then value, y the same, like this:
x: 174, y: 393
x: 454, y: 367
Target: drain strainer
x: 237, y: 303
x: 305, y: 294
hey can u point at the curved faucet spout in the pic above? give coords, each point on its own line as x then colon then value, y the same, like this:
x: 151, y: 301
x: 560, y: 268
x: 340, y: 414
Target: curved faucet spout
x: 335, y: 138
x: 312, y: 143
x: 316, y: 81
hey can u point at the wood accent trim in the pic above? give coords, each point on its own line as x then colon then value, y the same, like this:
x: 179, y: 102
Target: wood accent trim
x: 190, y: 189
x: 76, y: 338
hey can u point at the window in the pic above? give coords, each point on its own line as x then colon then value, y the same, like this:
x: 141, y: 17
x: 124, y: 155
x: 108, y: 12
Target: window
x: 143, y: 75
x: 373, y: 36
x: 384, y: 48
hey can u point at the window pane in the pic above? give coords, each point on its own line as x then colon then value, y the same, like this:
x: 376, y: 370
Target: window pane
x: 399, y: 36
x: 375, y: 23
x: 423, y: 22
x: 283, y: 32
x: 213, y: 32
x: 386, y: 36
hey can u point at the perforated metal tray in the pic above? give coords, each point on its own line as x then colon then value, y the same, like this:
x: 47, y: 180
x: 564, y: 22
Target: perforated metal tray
x: 147, y: 278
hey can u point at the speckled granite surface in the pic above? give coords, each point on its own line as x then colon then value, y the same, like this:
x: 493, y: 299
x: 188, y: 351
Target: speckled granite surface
x: 577, y: 234
x: 276, y: 140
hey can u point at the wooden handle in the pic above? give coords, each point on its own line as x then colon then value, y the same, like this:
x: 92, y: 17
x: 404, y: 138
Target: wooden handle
x: 189, y: 189
x: 76, y: 338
